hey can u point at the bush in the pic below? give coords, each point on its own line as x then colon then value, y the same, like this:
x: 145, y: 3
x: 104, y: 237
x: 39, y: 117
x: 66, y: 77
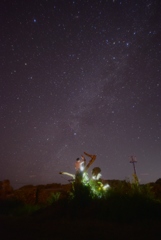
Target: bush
x: 53, y: 198
x: 126, y: 202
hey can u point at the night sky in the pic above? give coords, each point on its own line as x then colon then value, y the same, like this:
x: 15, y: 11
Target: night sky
x: 75, y: 76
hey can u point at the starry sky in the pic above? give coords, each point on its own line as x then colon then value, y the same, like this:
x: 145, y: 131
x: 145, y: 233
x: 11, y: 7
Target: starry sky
x: 75, y: 76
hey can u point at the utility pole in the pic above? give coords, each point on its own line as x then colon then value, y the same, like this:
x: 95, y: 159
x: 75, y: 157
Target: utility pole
x: 133, y: 161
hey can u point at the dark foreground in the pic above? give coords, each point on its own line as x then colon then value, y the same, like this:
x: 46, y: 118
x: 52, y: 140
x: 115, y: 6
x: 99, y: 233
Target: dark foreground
x: 48, y: 228
x: 125, y: 211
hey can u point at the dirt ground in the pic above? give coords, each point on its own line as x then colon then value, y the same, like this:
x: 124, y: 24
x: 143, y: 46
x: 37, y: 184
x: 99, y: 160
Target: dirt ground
x: 49, y: 228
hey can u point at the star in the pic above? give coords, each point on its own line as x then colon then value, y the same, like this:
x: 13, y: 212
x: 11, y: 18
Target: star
x: 80, y: 80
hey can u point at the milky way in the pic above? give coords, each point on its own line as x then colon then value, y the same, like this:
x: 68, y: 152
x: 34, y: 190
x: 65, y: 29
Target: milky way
x: 79, y: 76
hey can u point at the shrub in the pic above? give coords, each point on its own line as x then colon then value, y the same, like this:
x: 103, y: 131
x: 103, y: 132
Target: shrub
x: 54, y: 197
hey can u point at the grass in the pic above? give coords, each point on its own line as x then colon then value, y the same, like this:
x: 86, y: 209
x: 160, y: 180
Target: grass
x: 126, y: 202
x: 125, y: 211
x: 123, y: 203
x: 12, y: 207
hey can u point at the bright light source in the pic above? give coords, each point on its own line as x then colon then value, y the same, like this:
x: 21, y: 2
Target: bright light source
x: 82, y: 168
x: 106, y: 186
x: 96, y: 177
